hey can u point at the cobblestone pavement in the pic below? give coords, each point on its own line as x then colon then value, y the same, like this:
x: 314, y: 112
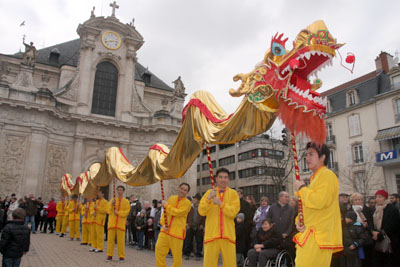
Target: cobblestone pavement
x: 50, y: 250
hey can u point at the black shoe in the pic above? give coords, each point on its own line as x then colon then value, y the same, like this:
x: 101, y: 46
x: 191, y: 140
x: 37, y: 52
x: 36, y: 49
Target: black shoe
x: 61, y: 235
x: 187, y: 257
x: 83, y: 244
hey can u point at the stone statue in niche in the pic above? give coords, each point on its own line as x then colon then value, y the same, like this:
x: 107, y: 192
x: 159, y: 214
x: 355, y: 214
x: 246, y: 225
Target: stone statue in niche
x: 29, y: 56
x: 179, y: 87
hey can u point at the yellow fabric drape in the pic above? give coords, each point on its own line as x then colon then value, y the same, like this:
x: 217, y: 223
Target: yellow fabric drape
x: 197, y: 129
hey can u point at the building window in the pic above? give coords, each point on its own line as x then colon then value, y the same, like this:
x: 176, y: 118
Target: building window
x: 204, y: 167
x: 221, y: 147
x: 226, y: 161
x: 198, y: 168
x: 329, y: 130
x: 331, y: 161
x: 398, y: 110
x: 396, y: 145
x: 105, y: 89
x: 257, y: 191
x: 354, y: 125
x: 352, y: 98
x: 358, y: 155
x: 261, y: 152
x: 198, y: 182
x: 261, y: 170
x: 212, y: 150
x: 305, y: 166
x: 232, y: 176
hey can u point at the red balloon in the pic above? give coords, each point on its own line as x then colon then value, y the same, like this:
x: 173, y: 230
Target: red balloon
x: 350, y: 59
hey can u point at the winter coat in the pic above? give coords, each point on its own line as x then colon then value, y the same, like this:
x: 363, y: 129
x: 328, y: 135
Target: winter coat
x: 51, y: 210
x: 270, y: 239
x: 241, y: 237
x: 31, y: 207
x: 353, y: 234
x: 15, y: 239
x: 140, y: 222
x: 390, y: 224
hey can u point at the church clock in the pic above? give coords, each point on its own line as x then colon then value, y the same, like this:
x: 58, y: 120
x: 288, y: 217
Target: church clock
x: 111, y: 40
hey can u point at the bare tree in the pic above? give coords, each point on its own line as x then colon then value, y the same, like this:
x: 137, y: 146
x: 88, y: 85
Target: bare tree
x: 274, y: 163
x: 361, y: 177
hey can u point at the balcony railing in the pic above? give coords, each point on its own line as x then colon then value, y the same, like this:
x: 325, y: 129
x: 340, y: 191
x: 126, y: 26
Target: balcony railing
x: 330, y: 140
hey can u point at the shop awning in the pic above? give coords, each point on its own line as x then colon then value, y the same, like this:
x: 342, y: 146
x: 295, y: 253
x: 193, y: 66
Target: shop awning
x: 389, y: 133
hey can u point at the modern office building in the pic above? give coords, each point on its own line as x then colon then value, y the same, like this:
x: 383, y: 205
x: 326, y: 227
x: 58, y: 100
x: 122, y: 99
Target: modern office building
x: 260, y: 166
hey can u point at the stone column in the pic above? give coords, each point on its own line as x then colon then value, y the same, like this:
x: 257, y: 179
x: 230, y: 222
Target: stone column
x: 35, y: 163
x: 77, y: 157
x: 84, y: 82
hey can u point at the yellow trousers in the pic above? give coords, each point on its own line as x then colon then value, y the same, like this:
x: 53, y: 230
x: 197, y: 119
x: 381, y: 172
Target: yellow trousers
x: 120, y: 242
x: 223, y: 246
x: 92, y: 229
x: 64, y: 223
x: 98, y: 237
x: 166, y: 243
x: 86, y: 227
x: 74, y: 230
x: 59, y: 220
x: 311, y: 255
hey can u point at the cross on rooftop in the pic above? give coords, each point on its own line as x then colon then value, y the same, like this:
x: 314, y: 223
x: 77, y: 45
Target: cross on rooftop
x: 114, y: 6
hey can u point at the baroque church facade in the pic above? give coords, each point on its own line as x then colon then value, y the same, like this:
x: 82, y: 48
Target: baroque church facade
x: 63, y: 106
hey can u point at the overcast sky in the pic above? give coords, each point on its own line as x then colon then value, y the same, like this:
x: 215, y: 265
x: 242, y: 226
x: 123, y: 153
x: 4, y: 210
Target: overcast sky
x: 207, y: 42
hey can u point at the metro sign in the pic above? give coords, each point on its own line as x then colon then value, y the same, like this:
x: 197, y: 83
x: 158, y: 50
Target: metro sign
x: 389, y: 155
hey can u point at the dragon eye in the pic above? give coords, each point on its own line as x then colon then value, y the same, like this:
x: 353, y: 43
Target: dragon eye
x: 278, y: 49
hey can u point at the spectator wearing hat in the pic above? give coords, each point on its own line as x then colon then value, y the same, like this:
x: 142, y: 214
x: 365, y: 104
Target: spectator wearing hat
x: 194, y: 230
x: 354, y: 239
x: 241, y: 238
x: 386, y: 220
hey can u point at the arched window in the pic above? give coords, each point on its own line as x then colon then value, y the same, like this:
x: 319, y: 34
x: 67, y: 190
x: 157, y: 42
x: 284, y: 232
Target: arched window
x: 105, y: 89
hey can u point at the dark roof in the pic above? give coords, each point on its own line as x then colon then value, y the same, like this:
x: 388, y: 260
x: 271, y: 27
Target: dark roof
x: 69, y: 55
x: 367, y: 87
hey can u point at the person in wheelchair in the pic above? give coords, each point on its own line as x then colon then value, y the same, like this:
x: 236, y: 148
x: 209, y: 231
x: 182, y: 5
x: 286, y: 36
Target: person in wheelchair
x: 265, y: 245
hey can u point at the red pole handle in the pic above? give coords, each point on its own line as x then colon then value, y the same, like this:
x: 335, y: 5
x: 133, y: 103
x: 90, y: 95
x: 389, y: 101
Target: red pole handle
x: 210, y: 166
x: 296, y: 171
x: 163, y: 198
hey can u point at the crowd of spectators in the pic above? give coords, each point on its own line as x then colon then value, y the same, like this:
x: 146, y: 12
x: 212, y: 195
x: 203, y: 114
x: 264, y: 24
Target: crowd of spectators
x: 261, y: 230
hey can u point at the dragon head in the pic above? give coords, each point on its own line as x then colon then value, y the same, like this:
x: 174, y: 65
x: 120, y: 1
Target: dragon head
x: 282, y: 81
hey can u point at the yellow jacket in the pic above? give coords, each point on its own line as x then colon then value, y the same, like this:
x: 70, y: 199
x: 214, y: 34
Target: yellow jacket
x: 177, y: 211
x: 122, y: 206
x: 61, y: 208
x: 74, y: 216
x: 87, y: 218
x: 321, y: 211
x: 101, y: 211
x: 220, y: 219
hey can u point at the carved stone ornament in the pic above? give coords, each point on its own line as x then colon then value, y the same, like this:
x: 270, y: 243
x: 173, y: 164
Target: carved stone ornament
x: 12, y: 163
x: 56, y: 165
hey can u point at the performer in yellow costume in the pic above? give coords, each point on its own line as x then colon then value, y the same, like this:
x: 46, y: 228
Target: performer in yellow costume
x: 74, y: 208
x: 60, y: 214
x: 99, y: 212
x: 65, y: 219
x: 321, y: 234
x: 172, y: 235
x: 220, y: 206
x: 87, y: 220
x: 118, y: 210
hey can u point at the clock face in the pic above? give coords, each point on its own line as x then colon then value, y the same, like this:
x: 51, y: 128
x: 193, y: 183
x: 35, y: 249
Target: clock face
x: 111, y: 40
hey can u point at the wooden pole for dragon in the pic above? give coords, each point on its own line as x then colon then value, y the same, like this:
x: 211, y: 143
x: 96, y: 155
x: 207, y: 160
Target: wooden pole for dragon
x: 296, y: 171
x: 210, y: 166
x: 163, y: 199
x: 115, y: 201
